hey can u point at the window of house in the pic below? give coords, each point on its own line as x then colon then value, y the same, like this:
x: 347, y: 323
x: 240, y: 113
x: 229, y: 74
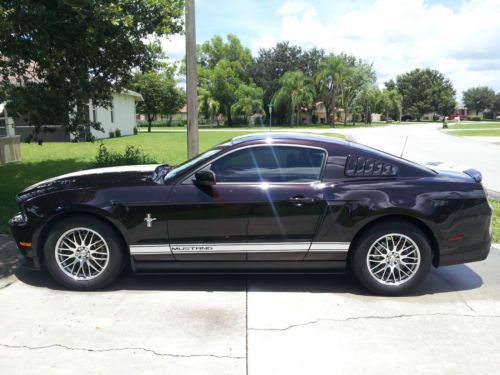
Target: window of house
x: 270, y: 164
x: 94, y: 113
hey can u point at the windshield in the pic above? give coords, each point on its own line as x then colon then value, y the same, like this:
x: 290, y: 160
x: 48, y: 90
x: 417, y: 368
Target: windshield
x: 181, y: 168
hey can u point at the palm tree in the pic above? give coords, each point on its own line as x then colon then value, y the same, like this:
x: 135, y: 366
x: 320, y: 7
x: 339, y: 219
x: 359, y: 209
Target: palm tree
x: 207, y: 105
x: 331, y: 73
x: 296, y: 90
x: 248, y: 101
x: 367, y: 100
x: 390, y: 101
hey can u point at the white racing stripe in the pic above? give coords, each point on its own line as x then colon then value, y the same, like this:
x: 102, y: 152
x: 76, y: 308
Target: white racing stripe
x: 209, y: 248
x: 330, y: 246
x: 150, y: 249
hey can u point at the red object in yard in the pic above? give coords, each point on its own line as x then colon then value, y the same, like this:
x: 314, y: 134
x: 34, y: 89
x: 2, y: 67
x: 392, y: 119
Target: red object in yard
x: 456, y: 116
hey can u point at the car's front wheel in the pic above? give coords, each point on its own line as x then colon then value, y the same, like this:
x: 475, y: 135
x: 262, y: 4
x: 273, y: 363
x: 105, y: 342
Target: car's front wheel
x: 392, y: 258
x: 83, y: 253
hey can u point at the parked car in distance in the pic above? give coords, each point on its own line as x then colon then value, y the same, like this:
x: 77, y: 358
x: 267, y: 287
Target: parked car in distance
x: 456, y: 116
x: 259, y: 203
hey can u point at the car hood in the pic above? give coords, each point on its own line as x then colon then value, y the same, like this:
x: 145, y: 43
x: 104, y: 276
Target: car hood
x: 94, y: 178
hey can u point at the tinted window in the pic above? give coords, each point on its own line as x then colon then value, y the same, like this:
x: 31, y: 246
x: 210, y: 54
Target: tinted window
x: 270, y: 164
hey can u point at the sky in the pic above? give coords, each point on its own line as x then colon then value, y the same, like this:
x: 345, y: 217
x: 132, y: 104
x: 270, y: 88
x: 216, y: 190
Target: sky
x: 459, y: 38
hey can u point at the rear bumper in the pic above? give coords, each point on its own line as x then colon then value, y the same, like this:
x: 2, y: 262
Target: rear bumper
x: 469, y: 238
x: 466, y: 254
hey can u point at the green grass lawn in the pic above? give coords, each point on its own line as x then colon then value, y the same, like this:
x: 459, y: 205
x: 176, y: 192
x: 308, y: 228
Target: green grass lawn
x: 56, y: 158
x: 483, y: 125
x: 477, y: 133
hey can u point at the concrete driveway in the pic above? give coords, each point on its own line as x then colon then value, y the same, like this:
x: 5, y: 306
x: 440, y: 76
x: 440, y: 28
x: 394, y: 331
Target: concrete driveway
x: 249, y: 325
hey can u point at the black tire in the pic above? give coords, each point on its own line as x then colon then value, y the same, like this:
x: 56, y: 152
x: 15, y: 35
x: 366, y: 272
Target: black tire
x: 362, y: 247
x: 116, y: 257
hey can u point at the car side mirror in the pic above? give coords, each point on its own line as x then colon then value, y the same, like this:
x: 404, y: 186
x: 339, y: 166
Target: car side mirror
x: 204, y: 178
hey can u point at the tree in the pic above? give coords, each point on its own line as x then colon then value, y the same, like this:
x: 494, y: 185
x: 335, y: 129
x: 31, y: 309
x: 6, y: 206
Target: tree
x: 222, y: 68
x: 222, y: 82
x: 272, y: 63
x: 390, y: 101
x: 214, y: 51
x: 248, y: 101
x: 367, y: 100
x: 159, y: 92
x: 425, y: 91
x: 496, y: 105
x: 331, y: 73
x: 59, y: 55
x: 296, y: 91
x: 479, y: 98
x: 390, y: 85
x: 207, y: 105
x: 356, y: 78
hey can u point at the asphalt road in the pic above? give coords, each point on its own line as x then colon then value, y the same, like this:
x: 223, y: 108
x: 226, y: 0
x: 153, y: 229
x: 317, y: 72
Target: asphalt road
x: 249, y: 325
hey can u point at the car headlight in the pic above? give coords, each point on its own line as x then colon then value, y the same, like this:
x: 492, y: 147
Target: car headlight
x: 19, y: 218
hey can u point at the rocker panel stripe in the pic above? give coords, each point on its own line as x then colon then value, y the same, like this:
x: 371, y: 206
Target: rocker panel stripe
x: 208, y: 248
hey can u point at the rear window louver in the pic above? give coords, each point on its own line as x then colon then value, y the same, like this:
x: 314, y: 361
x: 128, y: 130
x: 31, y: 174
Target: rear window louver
x: 360, y: 166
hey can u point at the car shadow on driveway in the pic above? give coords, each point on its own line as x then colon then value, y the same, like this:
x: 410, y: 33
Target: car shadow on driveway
x: 442, y: 280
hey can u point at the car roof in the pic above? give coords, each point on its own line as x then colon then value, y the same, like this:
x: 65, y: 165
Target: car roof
x: 306, y: 137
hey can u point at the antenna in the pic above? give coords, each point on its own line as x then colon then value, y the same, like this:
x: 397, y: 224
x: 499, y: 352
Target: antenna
x: 404, y: 146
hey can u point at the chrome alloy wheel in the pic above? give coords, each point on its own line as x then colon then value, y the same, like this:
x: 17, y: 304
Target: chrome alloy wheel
x: 82, y: 253
x: 393, y: 259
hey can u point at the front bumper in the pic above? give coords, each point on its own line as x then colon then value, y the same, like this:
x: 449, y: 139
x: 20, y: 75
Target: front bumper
x: 23, y: 235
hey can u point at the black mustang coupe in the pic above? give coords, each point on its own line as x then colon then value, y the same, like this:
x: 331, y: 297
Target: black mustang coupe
x: 258, y: 203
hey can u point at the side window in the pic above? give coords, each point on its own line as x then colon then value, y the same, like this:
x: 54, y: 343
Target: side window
x: 270, y: 164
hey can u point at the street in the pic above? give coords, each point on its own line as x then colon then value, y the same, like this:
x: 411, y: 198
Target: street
x: 250, y: 325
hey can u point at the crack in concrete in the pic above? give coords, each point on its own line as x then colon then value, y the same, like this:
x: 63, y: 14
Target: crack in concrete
x: 317, y: 321
x: 457, y: 291
x: 43, y: 347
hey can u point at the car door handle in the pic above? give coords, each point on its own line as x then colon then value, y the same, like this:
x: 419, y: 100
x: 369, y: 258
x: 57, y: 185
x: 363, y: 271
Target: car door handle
x: 300, y: 199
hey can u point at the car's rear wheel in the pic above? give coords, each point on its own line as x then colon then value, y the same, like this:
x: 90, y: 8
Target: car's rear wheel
x: 83, y: 253
x: 392, y: 258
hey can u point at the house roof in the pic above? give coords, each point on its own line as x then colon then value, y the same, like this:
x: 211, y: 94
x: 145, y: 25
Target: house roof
x: 134, y: 94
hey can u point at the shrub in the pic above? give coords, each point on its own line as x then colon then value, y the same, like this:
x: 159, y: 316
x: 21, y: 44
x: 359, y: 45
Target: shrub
x: 474, y: 118
x: 111, y: 134
x: 131, y: 156
x: 135, y: 131
x: 118, y: 133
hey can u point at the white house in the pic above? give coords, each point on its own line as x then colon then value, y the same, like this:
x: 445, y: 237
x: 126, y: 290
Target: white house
x: 121, y: 115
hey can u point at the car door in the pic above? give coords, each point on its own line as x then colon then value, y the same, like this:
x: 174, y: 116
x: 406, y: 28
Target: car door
x: 283, y: 196
x: 207, y: 223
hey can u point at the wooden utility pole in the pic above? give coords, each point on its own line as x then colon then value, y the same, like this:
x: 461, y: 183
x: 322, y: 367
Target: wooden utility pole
x: 191, y: 81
